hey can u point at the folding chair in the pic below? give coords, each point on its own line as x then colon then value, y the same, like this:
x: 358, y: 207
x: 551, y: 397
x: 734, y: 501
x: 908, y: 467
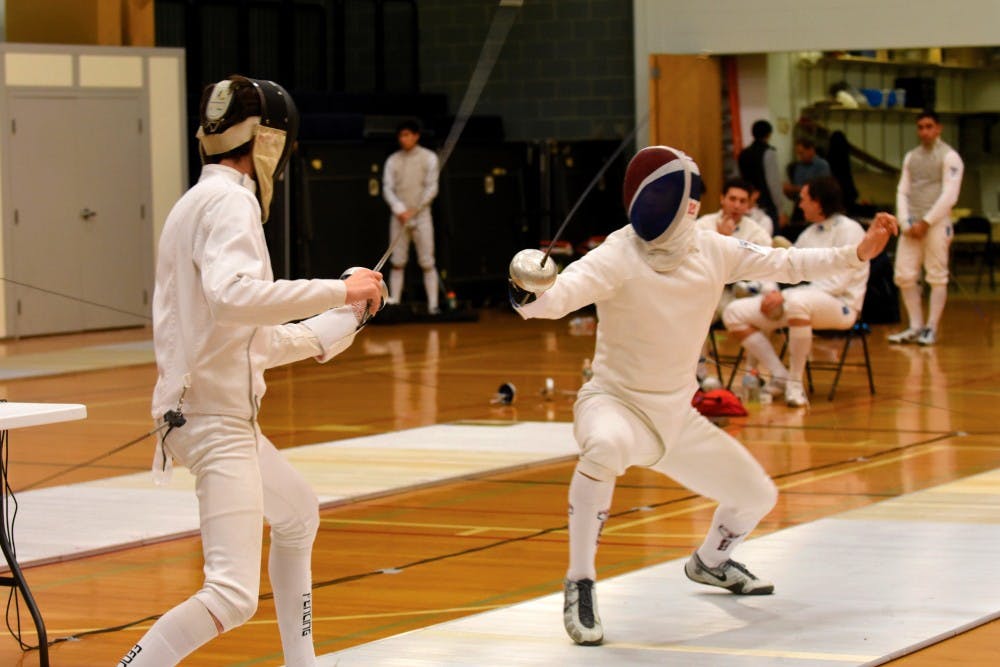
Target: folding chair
x: 859, y: 330
x: 973, y: 237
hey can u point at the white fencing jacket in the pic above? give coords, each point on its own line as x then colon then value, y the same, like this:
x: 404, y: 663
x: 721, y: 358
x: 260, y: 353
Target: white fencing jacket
x: 651, y: 326
x: 218, y: 314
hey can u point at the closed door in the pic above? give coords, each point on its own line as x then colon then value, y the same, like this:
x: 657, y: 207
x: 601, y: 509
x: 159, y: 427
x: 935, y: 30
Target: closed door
x: 686, y: 112
x: 77, y: 243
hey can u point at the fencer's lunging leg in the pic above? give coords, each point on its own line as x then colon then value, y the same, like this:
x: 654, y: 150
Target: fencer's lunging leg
x: 221, y: 452
x: 589, y: 504
x: 292, y: 509
x: 712, y: 463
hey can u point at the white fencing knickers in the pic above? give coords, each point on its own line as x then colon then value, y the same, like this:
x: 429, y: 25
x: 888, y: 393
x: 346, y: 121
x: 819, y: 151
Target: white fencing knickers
x: 700, y: 456
x: 823, y: 311
x: 240, y: 479
x: 930, y: 251
x: 422, y: 235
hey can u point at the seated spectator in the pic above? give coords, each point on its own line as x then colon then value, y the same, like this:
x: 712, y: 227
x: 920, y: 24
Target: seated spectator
x: 831, y: 303
x: 731, y: 220
x: 757, y: 214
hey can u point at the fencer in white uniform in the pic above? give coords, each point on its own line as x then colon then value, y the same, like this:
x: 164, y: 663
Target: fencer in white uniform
x: 831, y: 302
x: 409, y: 185
x: 655, y: 283
x: 219, y: 320
x: 928, y: 187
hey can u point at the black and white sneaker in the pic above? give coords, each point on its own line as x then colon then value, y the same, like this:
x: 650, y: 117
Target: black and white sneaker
x: 580, y: 613
x: 732, y: 576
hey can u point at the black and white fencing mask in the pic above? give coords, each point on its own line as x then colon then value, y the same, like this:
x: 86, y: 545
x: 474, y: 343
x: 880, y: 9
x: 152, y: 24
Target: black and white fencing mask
x: 239, y: 109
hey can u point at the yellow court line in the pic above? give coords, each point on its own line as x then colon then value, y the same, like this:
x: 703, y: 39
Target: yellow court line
x: 620, y: 528
x: 316, y: 619
x: 676, y: 648
x: 416, y: 524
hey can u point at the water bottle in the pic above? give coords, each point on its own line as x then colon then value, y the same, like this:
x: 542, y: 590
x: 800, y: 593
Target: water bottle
x: 751, y: 386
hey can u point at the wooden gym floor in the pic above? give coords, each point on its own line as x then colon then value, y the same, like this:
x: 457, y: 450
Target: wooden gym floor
x: 488, y: 542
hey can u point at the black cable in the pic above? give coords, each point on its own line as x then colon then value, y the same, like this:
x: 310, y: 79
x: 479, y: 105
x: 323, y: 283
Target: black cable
x: 13, y: 599
x: 105, y: 455
x: 75, y: 298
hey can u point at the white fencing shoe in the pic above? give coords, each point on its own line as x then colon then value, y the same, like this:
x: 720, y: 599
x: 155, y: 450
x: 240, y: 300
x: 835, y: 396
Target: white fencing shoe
x: 927, y: 337
x: 906, y: 336
x: 732, y: 576
x: 795, y: 395
x: 580, y: 617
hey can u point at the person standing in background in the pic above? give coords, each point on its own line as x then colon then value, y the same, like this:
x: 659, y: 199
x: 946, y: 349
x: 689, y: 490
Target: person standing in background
x: 759, y: 165
x: 409, y: 185
x: 928, y: 187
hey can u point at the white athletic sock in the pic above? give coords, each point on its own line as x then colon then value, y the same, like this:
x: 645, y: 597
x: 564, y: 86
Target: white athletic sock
x: 431, y: 287
x: 759, y: 346
x: 799, y: 344
x: 395, y: 284
x: 727, y: 532
x: 914, y: 309
x: 939, y: 296
x: 173, y: 637
x: 589, y: 503
x: 290, y: 573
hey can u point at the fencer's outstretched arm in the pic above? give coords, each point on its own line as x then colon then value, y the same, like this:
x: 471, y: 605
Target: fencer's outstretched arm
x: 589, y: 279
x: 795, y: 265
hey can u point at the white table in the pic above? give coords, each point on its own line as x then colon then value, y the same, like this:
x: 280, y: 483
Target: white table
x: 22, y: 415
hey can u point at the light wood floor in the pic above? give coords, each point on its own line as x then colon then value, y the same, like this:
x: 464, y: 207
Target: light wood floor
x: 470, y: 546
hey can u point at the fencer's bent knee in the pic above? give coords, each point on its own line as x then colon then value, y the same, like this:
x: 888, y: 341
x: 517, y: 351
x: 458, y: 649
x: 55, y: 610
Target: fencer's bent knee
x: 298, y: 530
x: 231, y: 605
x: 600, y: 459
x: 426, y: 263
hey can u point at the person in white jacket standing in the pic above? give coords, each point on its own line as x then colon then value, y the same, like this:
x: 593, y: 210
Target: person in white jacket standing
x: 409, y: 185
x: 655, y: 283
x: 928, y: 187
x: 219, y: 320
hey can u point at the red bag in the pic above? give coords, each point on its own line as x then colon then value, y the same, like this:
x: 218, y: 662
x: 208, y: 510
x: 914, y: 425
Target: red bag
x: 718, y: 403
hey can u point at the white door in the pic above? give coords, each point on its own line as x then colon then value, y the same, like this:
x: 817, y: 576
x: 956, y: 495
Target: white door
x: 78, y: 244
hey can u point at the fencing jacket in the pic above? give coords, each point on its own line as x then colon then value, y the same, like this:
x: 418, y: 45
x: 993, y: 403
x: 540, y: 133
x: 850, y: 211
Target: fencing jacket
x: 929, y: 185
x: 410, y: 181
x: 651, y: 325
x: 218, y: 314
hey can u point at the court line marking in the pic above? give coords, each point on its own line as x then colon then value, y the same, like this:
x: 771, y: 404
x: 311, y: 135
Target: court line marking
x: 677, y: 648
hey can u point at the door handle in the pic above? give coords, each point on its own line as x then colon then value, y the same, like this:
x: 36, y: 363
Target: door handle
x: 87, y: 214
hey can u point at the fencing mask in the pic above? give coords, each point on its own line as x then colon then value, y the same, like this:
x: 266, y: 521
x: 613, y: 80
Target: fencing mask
x: 662, y: 194
x: 237, y: 110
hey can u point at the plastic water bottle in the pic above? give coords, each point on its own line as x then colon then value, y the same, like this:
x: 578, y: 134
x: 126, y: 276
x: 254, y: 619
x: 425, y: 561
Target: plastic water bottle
x: 751, y: 386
